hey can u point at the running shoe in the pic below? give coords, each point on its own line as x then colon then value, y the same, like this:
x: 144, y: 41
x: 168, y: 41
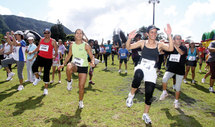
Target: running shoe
x: 10, y: 76
x: 163, y: 96
x: 203, y: 80
x: 40, y: 73
x: 69, y: 85
x: 176, y: 104
x: 185, y: 81
x: 45, y: 92
x: 146, y: 118
x: 36, y: 81
x: 91, y: 82
x: 129, y: 100
x: 200, y: 71
x: 59, y: 81
x: 193, y: 81
x: 51, y: 82
x: 21, y: 87
x: 126, y: 71
x: 27, y: 80
x: 119, y: 71
x: 211, y: 89
x: 81, y: 104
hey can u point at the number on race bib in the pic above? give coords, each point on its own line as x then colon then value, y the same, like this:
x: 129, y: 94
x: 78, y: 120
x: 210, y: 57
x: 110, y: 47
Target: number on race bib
x: 78, y: 61
x: 148, y: 64
x: 175, y: 57
x: 192, y: 58
x: 44, y: 48
x: 123, y: 54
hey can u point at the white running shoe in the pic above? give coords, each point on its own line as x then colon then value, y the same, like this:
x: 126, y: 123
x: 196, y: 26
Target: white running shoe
x: 176, y: 104
x: 129, y: 100
x: 45, y: 92
x: 163, y: 96
x: 27, y: 80
x: 173, y: 87
x: 21, y: 87
x: 203, y: 80
x: 59, y: 82
x: 36, y: 81
x: 200, y: 71
x: 126, y: 71
x: 193, y: 81
x: 51, y: 82
x: 146, y: 118
x: 10, y: 76
x: 40, y: 73
x: 81, y: 104
x: 69, y: 85
x: 185, y: 81
x: 119, y: 71
x: 211, y: 89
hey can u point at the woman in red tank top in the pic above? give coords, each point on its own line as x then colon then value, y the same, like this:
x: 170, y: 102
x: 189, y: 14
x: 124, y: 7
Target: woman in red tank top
x: 44, y: 58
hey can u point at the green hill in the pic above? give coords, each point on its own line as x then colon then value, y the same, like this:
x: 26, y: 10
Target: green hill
x: 12, y: 22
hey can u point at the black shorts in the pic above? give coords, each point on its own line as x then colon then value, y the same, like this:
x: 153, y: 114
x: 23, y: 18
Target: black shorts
x: 82, y: 69
x: 125, y: 61
x: 191, y: 63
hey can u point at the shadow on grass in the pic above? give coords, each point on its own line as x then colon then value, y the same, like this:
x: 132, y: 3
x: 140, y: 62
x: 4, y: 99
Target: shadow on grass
x: 3, y: 81
x: 4, y: 94
x: 30, y: 103
x: 188, y: 100
x: 67, y: 120
x: 50, y: 86
x: 90, y: 88
x: 123, y: 75
x: 181, y: 120
x: 199, y: 87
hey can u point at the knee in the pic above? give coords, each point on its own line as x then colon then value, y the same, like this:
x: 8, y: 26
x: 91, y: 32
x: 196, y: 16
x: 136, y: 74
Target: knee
x: 138, y: 76
x: 165, y: 79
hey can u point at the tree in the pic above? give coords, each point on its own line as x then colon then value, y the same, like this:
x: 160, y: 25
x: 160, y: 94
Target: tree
x: 58, y: 31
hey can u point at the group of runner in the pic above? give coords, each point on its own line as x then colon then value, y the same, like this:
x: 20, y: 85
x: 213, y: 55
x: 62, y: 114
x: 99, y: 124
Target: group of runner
x: 145, y: 55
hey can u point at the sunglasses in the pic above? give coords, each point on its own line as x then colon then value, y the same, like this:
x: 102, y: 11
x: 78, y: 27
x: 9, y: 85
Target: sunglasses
x: 46, y: 33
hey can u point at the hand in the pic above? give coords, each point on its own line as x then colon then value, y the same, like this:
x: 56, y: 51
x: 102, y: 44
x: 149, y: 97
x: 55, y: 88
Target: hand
x: 31, y: 60
x: 30, y: 53
x: 7, y: 33
x: 168, y: 31
x: 132, y: 34
x: 60, y: 67
x: 92, y: 64
x: 12, y: 33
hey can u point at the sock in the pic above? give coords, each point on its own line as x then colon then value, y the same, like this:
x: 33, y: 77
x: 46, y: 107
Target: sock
x: 130, y: 95
x: 176, y: 101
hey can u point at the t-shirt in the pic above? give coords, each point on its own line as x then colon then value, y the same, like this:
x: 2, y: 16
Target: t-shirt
x: 211, y: 57
x: 108, y: 48
x: 123, y: 53
x: 176, y: 62
x: 31, y: 47
x: 19, y: 51
x: 6, y: 50
x: 201, y: 51
x: 62, y: 49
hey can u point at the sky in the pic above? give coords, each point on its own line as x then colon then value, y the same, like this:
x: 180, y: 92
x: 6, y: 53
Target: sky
x: 99, y: 18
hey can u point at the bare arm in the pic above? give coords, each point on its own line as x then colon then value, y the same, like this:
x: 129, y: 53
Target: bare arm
x: 211, y: 49
x: 36, y: 50
x: 67, y: 57
x: 11, y: 50
x: 55, y: 47
x: 179, y: 50
x: 169, y: 47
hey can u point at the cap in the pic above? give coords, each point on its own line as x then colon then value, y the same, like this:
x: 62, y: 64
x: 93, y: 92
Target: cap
x: 151, y: 27
x: 30, y: 38
x: 47, y: 29
x: 19, y: 32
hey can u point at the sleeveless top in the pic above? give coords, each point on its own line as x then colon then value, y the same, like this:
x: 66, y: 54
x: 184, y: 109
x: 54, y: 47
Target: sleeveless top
x: 149, y: 54
x: 46, y: 49
x: 79, y: 55
x: 191, y: 56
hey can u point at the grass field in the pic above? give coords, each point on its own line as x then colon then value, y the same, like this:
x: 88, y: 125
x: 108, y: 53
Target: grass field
x: 104, y: 103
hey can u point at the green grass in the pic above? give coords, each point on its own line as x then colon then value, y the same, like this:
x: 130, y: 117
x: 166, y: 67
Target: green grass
x: 104, y: 103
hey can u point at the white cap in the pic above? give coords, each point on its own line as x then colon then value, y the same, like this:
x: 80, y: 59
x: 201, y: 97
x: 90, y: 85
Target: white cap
x: 19, y: 32
x: 30, y: 38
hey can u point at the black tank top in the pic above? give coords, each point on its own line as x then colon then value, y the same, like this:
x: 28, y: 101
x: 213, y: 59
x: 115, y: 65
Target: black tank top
x: 150, y: 54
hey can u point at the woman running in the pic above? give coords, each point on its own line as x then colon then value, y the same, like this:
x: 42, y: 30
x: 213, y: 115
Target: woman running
x: 146, y: 69
x: 79, y: 50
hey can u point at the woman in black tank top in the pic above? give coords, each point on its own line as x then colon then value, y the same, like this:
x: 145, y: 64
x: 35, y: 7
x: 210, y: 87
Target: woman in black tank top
x: 146, y: 68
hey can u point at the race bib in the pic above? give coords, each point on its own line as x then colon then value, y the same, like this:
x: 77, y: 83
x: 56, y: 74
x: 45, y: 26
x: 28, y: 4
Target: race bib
x: 78, y: 61
x: 175, y: 57
x: 93, y: 51
x: 148, y: 64
x: 44, y: 48
x: 192, y: 58
x: 106, y: 48
x: 123, y: 54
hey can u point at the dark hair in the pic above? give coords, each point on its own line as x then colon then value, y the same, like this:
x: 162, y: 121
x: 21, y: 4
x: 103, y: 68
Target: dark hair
x: 177, y: 35
x: 80, y: 30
